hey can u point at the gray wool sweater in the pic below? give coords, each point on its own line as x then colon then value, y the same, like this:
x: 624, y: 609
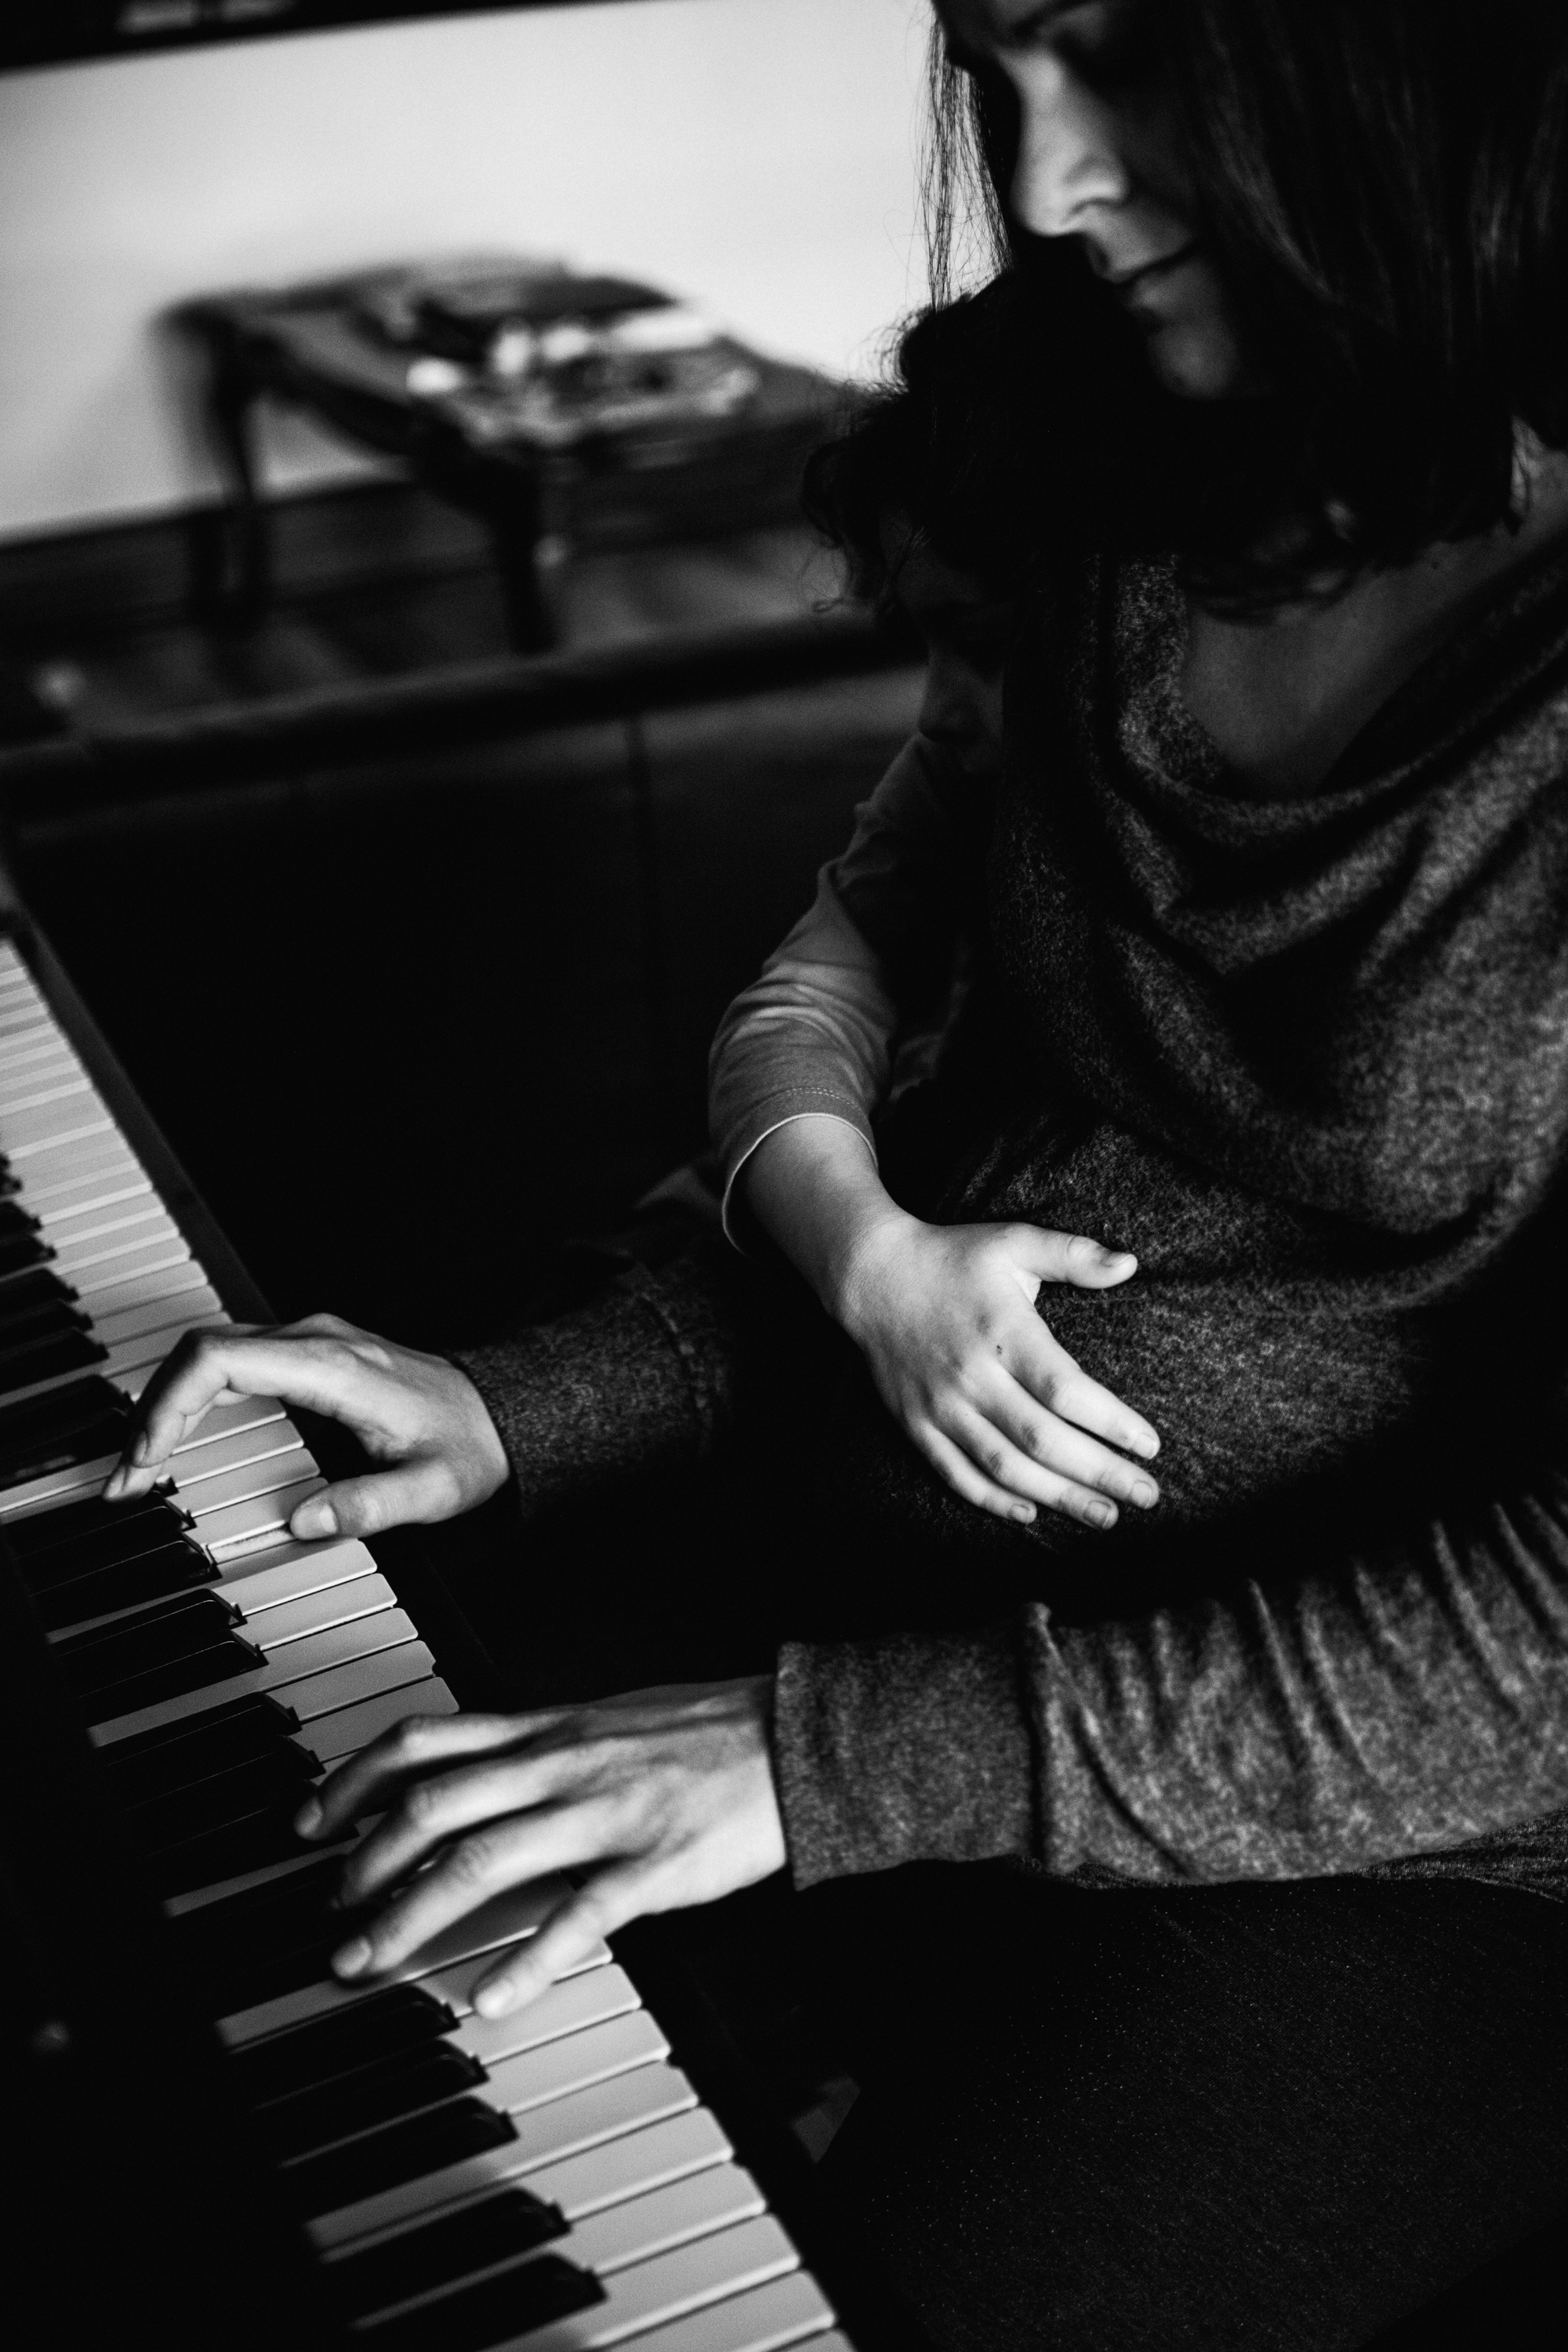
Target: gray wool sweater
x: 1310, y: 1059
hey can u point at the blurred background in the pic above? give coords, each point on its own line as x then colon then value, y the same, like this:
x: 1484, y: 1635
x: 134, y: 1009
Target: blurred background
x: 421, y: 705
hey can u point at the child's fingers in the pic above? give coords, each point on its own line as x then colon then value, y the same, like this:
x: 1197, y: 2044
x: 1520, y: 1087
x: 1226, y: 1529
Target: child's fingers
x: 1060, y: 1447
x: 1042, y: 1365
x: 1066, y: 1258
x: 952, y: 1464
x: 1006, y: 1465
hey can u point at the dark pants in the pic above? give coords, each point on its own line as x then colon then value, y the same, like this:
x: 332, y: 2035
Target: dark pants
x: 1251, y: 2118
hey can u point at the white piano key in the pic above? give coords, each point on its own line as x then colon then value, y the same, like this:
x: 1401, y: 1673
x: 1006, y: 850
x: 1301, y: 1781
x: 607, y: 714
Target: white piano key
x: 567, y: 2128
x: 273, y: 1630
x: 276, y: 1552
x: 246, y: 1482
x: 132, y: 1364
x: 189, y: 1299
x: 77, y: 1114
x: 653, y: 2220
x: 237, y: 1526
x: 262, y: 1583
x: 26, y: 1054
x: 74, y: 1484
x: 64, y: 1082
x: 457, y: 1984
x: 363, y: 1677
x: 230, y: 1434
x: 116, y: 1256
x: 116, y: 1259
x: 84, y: 1180
x: 140, y: 1212
x: 230, y: 1419
x: 537, y: 2077
x: 311, y: 1676
x: 332, y: 1737
x: 566, y: 2008
x: 110, y: 1289
x: 224, y: 1451
x: 792, y: 2310
x: 631, y: 2166
x: 652, y: 2294
x: 449, y: 1965
x: 666, y: 2218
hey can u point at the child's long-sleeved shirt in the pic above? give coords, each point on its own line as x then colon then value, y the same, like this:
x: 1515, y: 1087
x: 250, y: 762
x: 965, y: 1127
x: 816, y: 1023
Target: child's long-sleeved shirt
x: 851, y: 1006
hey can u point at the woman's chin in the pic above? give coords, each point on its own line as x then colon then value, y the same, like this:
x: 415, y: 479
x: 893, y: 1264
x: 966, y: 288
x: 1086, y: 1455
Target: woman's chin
x: 1198, y: 361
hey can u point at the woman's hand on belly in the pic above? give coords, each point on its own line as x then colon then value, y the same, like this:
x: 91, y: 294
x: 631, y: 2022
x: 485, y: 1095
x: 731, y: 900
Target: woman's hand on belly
x: 655, y: 1800
x: 945, y: 1315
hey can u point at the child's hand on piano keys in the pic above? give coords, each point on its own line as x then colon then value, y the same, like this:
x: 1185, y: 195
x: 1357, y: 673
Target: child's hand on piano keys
x: 655, y: 1799
x: 418, y: 1414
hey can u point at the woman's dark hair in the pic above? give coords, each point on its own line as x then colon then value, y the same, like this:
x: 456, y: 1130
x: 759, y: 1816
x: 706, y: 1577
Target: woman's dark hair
x: 1383, y: 185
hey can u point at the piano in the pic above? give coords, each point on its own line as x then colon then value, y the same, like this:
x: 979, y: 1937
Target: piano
x: 221, y: 2143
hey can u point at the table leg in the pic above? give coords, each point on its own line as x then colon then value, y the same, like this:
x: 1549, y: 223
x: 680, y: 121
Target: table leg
x: 232, y: 574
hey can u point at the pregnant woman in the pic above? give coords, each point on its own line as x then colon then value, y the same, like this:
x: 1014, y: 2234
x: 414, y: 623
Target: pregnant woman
x: 1199, y: 1879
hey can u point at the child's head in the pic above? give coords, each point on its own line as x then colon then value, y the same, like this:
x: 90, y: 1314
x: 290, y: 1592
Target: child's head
x: 923, y: 496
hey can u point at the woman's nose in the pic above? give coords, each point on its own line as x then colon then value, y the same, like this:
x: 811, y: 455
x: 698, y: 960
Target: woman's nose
x: 1068, y: 160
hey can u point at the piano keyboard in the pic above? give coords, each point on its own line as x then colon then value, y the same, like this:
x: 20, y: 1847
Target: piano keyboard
x: 547, y: 2181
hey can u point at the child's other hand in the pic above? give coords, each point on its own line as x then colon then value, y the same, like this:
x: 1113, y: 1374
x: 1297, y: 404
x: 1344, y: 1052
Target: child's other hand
x: 946, y: 1318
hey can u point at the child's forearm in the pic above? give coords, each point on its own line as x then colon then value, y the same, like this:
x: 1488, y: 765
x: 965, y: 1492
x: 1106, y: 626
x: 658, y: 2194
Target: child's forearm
x: 813, y: 1187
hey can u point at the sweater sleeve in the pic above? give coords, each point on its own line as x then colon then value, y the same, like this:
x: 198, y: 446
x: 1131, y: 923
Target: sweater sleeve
x: 1402, y: 1702
x: 813, y: 1033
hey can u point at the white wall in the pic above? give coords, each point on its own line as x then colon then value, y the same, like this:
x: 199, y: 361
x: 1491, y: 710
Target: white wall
x: 759, y: 153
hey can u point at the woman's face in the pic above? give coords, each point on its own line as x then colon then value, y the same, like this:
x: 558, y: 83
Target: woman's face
x: 1100, y: 160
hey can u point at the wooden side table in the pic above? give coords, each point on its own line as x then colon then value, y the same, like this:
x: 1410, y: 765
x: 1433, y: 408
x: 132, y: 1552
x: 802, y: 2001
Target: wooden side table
x: 308, y: 348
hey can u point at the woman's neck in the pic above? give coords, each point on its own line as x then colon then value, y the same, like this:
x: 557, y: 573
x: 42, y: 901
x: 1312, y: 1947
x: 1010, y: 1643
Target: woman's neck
x: 1282, y: 698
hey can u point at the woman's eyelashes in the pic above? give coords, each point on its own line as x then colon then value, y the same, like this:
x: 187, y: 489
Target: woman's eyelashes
x: 1110, y: 46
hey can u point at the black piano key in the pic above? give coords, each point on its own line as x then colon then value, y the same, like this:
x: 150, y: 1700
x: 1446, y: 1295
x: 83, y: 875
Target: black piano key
x: 172, y: 1755
x: 241, y: 1755
x: 19, y: 1249
x: 382, y: 2093
x: 242, y: 1922
x: 29, y: 1325
x: 228, y: 1849
x: 37, y: 1287
x: 16, y: 1220
x: 10, y: 1183
x: 442, y: 2253
x: 79, y: 1536
x: 278, y: 1777
x: 159, y: 1635
x: 269, y: 1940
x: 69, y: 1351
x: 400, y: 2152
x: 205, y: 1669
x: 403, y: 2017
x: 44, y: 1434
x: 152, y: 1576
x: 492, y: 2311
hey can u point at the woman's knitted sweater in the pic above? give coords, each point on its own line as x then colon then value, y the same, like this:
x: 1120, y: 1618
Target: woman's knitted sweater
x: 1308, y: 1058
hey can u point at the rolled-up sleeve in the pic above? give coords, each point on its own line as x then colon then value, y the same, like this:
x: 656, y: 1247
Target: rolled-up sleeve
x: 813, y: 1034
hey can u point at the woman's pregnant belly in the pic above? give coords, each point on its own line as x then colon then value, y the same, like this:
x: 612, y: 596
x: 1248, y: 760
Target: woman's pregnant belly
x: 1296, y: 1366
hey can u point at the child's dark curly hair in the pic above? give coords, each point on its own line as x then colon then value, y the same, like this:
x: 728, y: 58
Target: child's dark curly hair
x: 937, y: 458
x: 979, y: 449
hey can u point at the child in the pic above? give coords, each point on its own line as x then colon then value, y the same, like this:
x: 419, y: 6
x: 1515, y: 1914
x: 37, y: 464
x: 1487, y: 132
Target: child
x: 851, y: 1010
